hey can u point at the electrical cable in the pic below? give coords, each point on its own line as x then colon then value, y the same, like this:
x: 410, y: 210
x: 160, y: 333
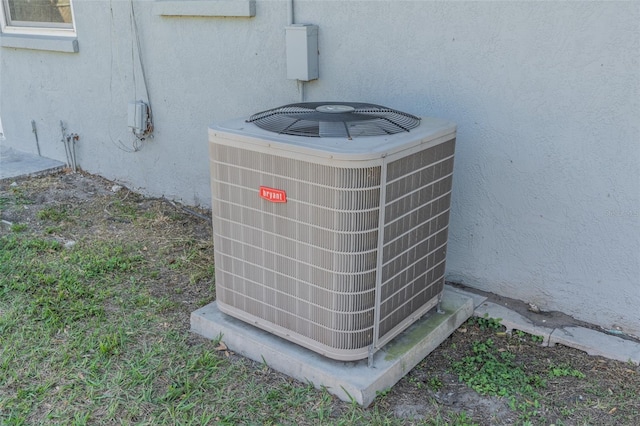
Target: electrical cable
x: 135, y: 144
x: 136, y: 51
x: 149, y: 128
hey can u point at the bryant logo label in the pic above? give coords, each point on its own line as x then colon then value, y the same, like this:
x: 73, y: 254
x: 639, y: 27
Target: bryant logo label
x: 273, y: 195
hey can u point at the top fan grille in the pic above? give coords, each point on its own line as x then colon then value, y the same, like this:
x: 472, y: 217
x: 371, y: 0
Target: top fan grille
x: 334, y: 119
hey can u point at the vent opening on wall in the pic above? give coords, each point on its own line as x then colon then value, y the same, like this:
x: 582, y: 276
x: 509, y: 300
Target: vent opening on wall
x: 335, y: 244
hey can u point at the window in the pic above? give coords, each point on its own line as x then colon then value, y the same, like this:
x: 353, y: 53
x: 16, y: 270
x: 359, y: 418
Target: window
x: 41, y: 17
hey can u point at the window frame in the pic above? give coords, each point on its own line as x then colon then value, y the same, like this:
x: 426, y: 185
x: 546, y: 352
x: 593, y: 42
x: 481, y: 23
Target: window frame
x: 7, y: 26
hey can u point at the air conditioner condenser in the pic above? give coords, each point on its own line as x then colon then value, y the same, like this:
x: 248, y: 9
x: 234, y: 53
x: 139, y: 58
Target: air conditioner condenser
x: 336, y: 243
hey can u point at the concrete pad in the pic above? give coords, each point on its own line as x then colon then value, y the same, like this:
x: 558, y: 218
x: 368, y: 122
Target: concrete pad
x: 513, y: 320
x: 478, y: 299
x: 15, y: 163
x: 596, y: 343
x: 347, y: 380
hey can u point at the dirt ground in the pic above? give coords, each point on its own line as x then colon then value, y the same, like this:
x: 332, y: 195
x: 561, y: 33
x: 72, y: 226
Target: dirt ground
x: 607, y: 395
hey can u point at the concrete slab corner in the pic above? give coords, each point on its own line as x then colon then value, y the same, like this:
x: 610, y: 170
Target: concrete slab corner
x: 597, y: 343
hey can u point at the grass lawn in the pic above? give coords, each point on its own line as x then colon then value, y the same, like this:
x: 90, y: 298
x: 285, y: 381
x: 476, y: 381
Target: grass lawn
x: 96, y: 288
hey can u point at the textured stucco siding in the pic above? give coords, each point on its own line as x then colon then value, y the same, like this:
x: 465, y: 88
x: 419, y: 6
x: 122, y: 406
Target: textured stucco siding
x: 546, y: 95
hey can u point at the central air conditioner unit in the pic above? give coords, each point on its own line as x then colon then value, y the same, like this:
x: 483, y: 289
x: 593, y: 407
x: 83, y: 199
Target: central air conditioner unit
x: 330, y: 222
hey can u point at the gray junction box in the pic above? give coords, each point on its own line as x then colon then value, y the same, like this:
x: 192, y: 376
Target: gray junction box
x: 302, y: 52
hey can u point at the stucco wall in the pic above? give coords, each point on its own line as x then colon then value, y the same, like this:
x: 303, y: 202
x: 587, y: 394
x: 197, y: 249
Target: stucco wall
x: 546, y: 204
